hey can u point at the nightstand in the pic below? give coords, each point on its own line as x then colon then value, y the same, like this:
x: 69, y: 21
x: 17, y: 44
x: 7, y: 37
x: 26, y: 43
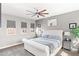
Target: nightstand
x: 66, y: 41
x: 67, y: 44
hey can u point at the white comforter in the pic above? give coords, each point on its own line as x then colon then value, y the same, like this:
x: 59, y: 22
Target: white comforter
x: 51, y: 43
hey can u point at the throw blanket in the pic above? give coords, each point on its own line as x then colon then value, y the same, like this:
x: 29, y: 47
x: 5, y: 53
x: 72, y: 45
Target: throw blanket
x: 51, y: 43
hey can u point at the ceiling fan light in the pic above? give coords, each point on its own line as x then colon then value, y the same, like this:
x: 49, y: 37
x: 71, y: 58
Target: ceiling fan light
x: 38, y: 16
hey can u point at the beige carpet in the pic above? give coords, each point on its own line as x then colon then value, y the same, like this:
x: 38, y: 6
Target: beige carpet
x: 19, y: 51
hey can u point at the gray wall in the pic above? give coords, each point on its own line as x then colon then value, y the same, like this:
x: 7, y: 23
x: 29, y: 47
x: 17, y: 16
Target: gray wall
x: 8, y: 40
x: 63, y: 21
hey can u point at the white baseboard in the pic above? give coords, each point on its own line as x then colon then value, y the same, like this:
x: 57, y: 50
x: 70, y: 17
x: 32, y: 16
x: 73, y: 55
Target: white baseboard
x: 10, y: 45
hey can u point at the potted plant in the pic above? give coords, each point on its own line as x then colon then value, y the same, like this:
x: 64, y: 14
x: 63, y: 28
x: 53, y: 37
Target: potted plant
x: 75, y: 32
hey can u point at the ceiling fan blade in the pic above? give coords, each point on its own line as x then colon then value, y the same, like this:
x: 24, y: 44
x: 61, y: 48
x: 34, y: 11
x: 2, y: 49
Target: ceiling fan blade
x: 30, y: 11
x: 41, y: 15
x: 43, y: 10
x: 33, y: 15
x: 45, y: 13
x: 28, y: 14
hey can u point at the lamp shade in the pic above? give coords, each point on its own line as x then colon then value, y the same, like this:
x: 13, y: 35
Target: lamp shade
x: 67, y: 33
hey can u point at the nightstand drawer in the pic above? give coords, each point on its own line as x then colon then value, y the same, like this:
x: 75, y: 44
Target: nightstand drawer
x: 67, y: 44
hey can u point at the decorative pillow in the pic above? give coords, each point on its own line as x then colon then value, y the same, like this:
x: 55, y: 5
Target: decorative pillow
x: 45, y: 36
x: 53, y: 37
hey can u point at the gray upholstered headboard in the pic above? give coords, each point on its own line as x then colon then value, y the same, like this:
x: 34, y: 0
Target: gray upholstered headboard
x: 55, y: 32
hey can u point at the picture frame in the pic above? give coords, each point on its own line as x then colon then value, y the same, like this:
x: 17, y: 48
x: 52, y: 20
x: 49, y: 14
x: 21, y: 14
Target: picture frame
x: 52, y: 22
x: 72, y: 25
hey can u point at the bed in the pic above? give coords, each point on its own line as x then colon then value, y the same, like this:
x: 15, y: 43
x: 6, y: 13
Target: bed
x: 47, y: 45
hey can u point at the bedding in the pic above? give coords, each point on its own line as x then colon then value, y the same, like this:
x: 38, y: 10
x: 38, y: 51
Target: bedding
x: 45, y: 36
x: 51, y: 43
x: 54, y: 37
x: 48, y: 44
x: 50, y: 36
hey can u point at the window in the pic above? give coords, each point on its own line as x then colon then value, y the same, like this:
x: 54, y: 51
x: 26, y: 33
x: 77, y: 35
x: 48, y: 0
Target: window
x: 23, y: 25
x: 11, y: 24
x: 32, y: 25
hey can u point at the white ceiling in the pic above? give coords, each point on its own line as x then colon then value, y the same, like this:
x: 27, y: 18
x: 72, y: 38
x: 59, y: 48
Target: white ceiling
x: 19, y: 9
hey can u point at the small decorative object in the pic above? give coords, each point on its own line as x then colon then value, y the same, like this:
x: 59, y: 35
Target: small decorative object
x: 39, y: 31
x: 52, y: 22
x: 72, y: 25
x: 39, y: 25
x: 32, y: 30
x: 24, y: 30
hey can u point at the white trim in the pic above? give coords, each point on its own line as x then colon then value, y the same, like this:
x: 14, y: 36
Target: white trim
x: 10, y: 45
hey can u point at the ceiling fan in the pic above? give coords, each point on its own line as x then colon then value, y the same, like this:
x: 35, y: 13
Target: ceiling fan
x: 38, y: 13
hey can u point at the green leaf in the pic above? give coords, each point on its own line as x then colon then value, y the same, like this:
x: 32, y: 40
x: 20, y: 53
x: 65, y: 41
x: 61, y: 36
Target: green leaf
x: 75, y: 32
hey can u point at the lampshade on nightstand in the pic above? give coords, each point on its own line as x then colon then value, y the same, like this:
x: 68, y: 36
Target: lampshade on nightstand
x: 67, y: 33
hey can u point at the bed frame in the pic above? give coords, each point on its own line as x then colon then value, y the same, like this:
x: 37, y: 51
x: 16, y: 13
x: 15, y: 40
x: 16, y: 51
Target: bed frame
x: 42, y: 50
